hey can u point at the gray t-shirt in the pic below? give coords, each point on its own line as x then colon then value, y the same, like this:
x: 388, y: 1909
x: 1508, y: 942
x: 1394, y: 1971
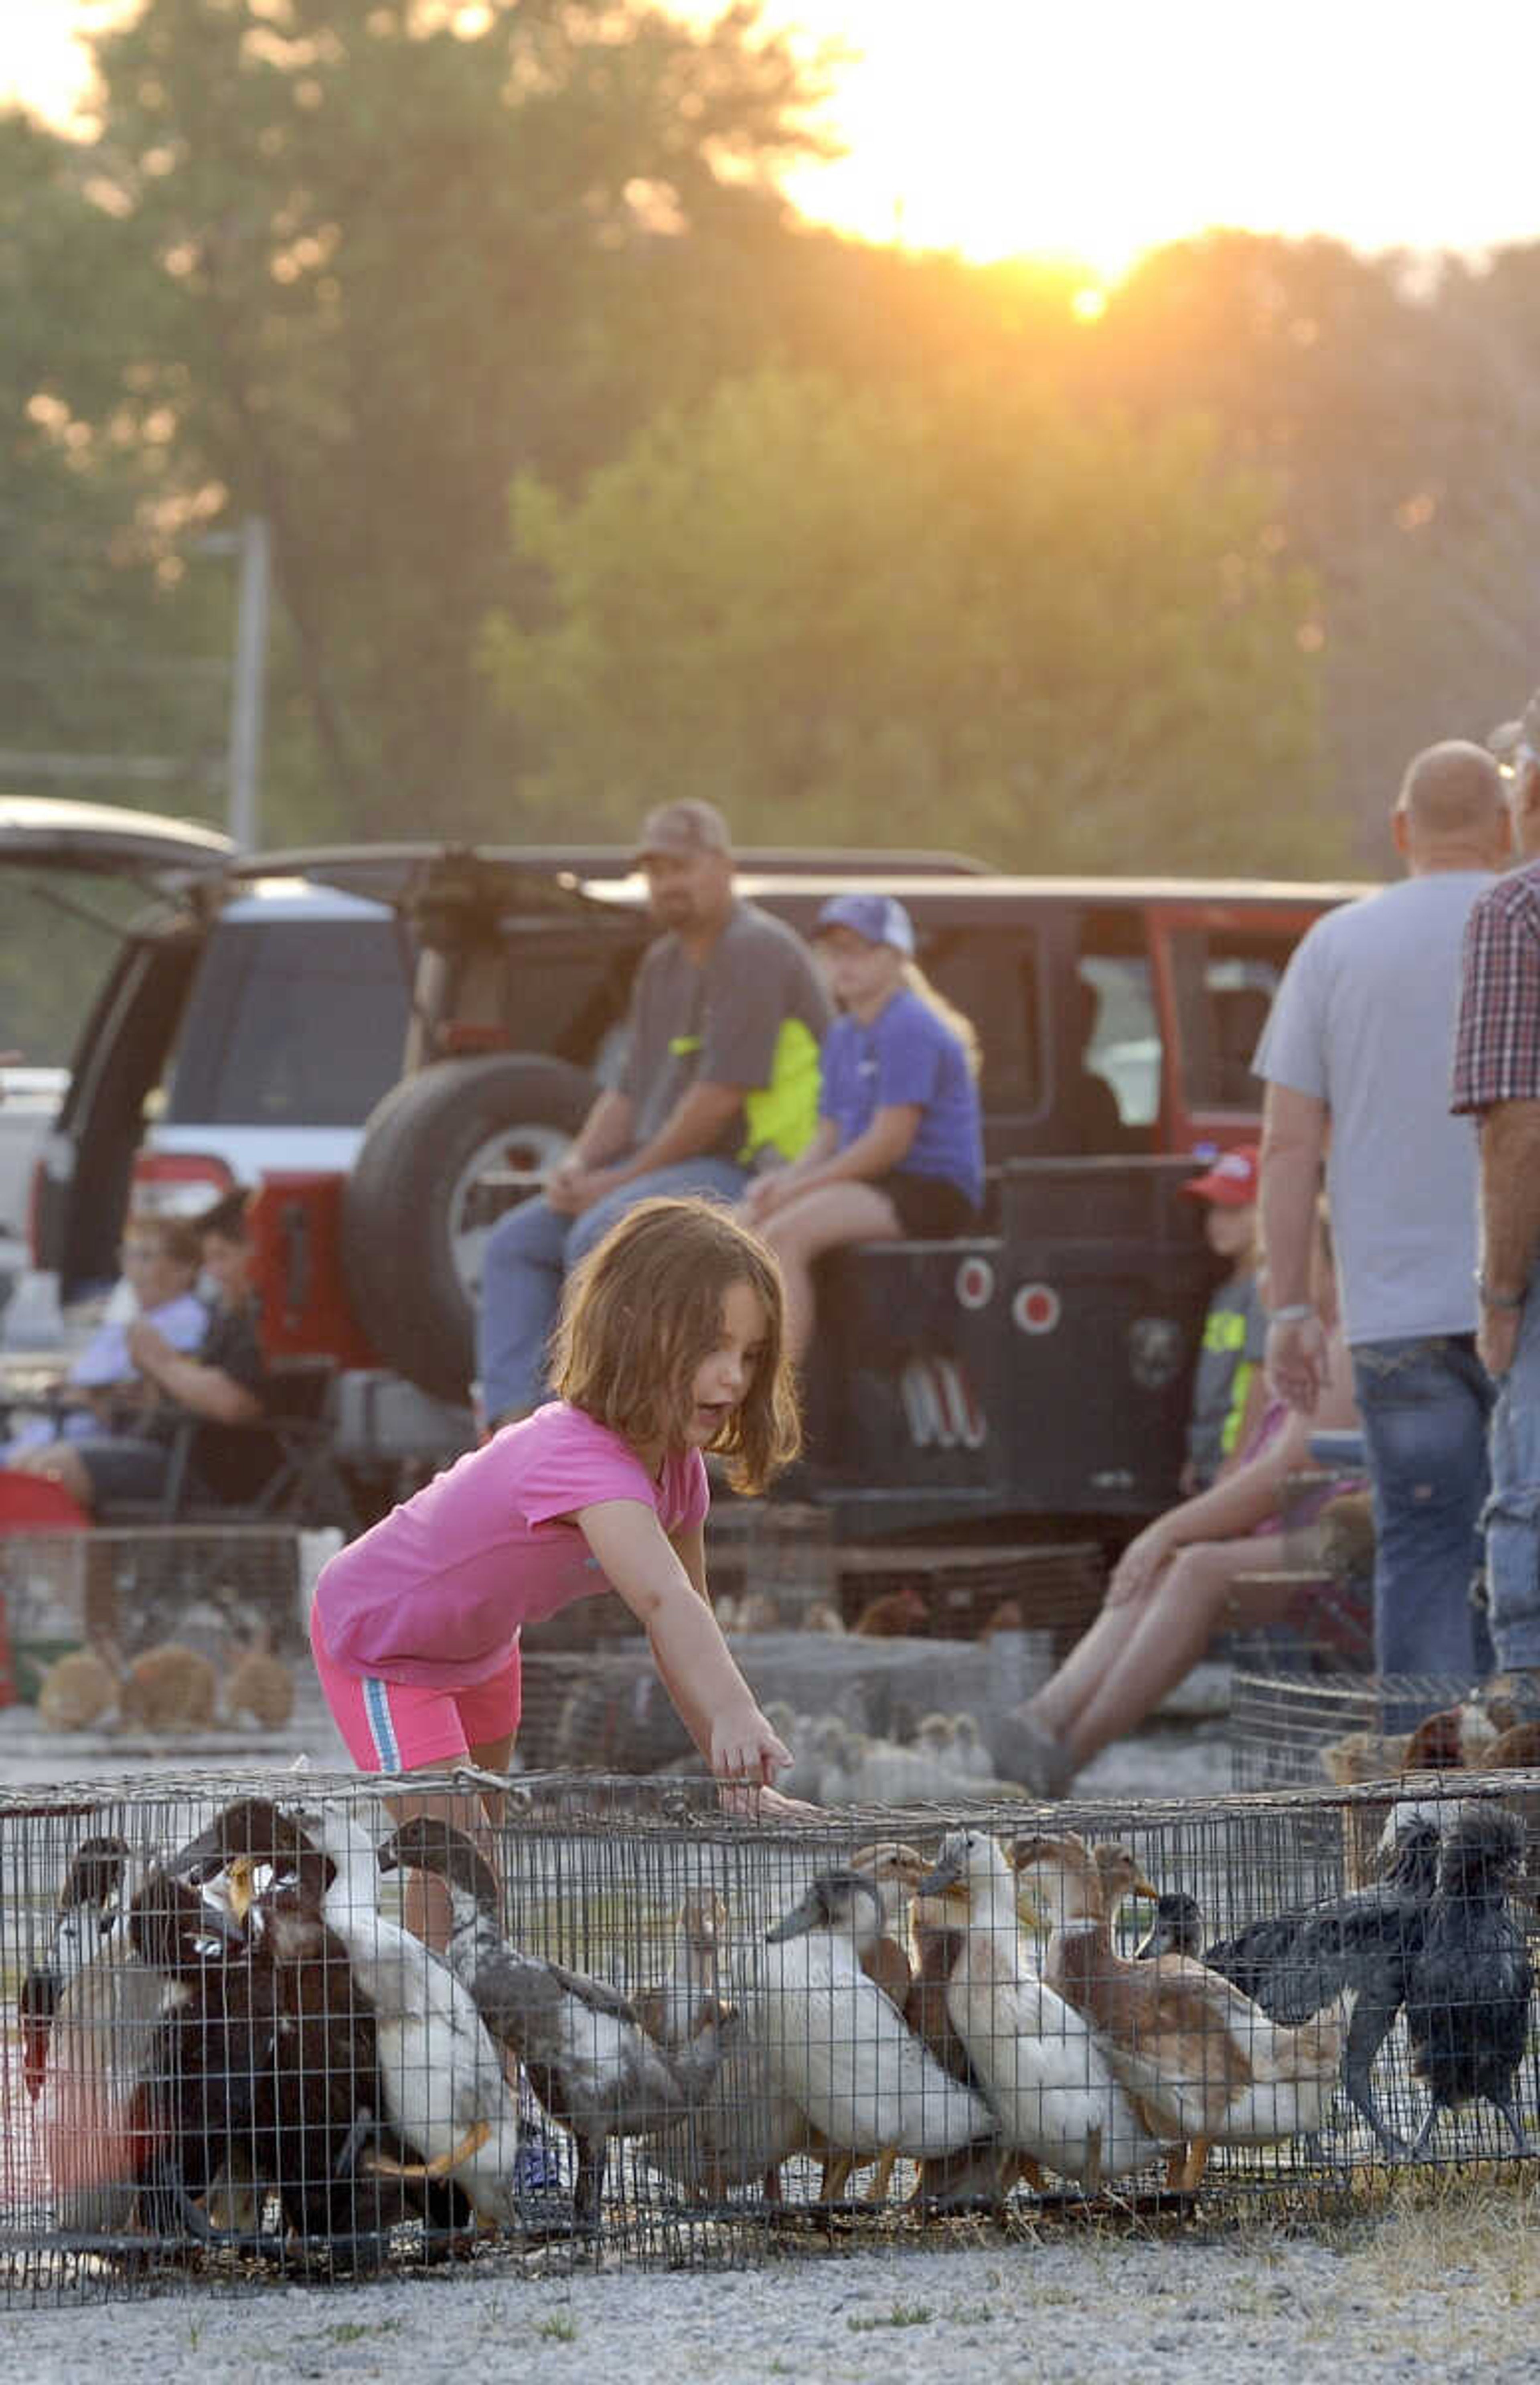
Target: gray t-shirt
x: 718, y: 1023
x: 1364, y: 1020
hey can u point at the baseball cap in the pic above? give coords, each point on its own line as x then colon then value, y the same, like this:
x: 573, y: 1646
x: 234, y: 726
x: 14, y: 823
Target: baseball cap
x: 881, y: 919
x: 687, y: 825
x: 1232, y: 1180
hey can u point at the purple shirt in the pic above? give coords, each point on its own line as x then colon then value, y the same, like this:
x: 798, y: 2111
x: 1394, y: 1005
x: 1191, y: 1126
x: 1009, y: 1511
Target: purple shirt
x: 1497, y: 1038
x: 437, y: 1592
x: 906, y: 1057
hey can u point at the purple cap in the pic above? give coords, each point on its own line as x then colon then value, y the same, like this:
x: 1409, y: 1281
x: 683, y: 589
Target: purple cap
x: 881, y: 919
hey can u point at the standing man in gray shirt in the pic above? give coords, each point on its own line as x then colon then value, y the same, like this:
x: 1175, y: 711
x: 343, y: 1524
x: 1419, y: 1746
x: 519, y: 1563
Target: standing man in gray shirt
x: 720, y: 1075
x: 1357, y: 1056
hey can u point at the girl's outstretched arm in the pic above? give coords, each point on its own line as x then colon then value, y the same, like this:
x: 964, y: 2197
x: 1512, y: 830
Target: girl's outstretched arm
x: 713, y: 1700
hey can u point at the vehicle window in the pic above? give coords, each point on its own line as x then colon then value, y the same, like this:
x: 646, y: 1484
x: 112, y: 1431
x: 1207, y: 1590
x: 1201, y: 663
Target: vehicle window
x: 991, y: 975
x: 295, y: 1022
x: 1123, y: 1037
x: 568, y: 997
x: 1224, y: 982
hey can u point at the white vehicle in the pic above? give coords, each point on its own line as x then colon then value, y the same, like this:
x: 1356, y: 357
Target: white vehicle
x: 30, y: 1099
x: 292, y: 1031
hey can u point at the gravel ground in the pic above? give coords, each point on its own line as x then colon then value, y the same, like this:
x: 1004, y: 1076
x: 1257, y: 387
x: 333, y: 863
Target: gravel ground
x: 1450, y: 2289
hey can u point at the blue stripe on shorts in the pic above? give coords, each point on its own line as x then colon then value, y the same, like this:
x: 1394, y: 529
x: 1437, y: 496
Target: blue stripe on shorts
x: 382, y: 1731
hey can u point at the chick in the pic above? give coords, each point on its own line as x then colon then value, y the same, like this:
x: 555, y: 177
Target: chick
x: 834, y: 1751
x: 970, y: 1758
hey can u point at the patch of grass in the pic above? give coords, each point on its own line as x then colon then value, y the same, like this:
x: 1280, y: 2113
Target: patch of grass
x: 353, y: 2331
x: 559, y: 2327
x: 902, y: 2315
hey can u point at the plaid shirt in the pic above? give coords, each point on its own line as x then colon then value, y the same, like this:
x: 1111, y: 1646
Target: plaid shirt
x: 1497, y: 1039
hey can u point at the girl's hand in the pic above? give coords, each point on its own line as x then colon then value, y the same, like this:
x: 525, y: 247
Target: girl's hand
x: 762, y: 1194
x: 754, y: 1804
x: 1140, y: 1566
x: 743, y: 1747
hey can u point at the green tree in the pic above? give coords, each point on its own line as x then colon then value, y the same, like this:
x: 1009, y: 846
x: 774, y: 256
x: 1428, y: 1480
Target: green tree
x: 112, y: 647
x: 1391, y: 401
x: 969, y: 615
x: 404, y: 256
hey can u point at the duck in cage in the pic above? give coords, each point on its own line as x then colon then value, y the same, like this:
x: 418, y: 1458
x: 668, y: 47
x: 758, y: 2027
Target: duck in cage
x: 229, y: 2039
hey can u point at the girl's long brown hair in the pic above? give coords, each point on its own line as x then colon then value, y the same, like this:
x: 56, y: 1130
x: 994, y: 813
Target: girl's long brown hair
x: 641, y: 1311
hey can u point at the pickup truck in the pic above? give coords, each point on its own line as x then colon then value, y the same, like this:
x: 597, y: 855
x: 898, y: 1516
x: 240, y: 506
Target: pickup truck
x: 1030, y: 1380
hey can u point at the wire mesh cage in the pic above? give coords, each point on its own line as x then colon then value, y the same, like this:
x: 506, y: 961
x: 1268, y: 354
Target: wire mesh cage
x: 152, y: 1627
x: 963, y: 1589
x: 873, y: 1721
x: 1299, y: 1718
x: 660, y: 2029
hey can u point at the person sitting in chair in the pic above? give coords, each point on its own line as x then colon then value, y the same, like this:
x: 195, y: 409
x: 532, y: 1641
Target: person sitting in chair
x: 159, y: 1257
x: 221, y: 1384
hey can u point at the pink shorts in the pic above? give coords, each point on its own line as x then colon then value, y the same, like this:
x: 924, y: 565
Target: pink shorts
x: 401, y: 1726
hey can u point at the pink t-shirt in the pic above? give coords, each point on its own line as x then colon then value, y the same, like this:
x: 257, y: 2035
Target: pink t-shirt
x: 437, y: 1592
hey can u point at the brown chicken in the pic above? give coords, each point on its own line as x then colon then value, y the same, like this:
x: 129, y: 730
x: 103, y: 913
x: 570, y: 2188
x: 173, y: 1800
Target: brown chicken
x: 896, y: 1615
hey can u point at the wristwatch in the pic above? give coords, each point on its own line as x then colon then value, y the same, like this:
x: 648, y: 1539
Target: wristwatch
x: 1489, y: 1299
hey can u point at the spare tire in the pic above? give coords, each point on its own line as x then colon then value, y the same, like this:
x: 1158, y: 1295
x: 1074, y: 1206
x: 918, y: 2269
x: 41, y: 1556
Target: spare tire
x: 412, y: 1239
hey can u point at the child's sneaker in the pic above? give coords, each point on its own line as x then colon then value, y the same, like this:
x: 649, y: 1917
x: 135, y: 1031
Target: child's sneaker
x: 541, y: 2197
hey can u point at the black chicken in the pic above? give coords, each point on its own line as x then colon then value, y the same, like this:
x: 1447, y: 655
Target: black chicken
x: 1468, y: 1994
x: 1294, y: 1964
x: 1178, y: 1929
x: 193, y: 2116
x: 324, y: 2097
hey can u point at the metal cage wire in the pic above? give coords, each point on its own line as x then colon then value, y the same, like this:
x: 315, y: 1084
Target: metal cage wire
x: 253, y: 2071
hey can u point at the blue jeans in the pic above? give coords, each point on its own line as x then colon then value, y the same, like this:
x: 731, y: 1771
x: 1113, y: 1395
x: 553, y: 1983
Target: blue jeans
x: 527, y: 1254
x: 1425, y: 1401
x: 1513, y: 1510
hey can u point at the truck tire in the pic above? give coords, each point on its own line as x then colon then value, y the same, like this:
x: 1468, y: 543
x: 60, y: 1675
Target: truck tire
x: 411, y: 1249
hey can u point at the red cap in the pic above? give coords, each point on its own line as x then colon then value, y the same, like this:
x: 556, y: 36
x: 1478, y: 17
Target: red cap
x: 1232, y: 1180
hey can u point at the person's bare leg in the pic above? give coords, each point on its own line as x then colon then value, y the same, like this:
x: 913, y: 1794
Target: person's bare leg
x: 1201, y: 1590
x: 55, y: 1461
x: 1058, y: 1704
x: 425, y: 1900
x: 825, y: 1219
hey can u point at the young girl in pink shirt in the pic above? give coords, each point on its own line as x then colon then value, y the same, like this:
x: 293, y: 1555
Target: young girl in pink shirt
x: 670, y: 1345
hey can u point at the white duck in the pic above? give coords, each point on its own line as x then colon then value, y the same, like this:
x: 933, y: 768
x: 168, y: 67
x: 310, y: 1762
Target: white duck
x: 837, y: 2046
x: 744, y: 2127
x: 1054, y: 2093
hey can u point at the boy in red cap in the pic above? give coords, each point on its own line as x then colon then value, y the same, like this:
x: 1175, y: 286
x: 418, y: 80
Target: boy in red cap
x: 1234, y: 1331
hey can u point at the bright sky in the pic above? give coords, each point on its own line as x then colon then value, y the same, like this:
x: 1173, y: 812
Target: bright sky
x: 1097, y: 128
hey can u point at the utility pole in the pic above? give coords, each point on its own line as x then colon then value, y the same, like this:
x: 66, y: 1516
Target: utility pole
x: 247, y: 698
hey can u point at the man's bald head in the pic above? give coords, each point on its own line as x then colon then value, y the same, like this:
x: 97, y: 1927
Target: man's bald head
x: 1452, y: 788
x: 1453, y: 799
